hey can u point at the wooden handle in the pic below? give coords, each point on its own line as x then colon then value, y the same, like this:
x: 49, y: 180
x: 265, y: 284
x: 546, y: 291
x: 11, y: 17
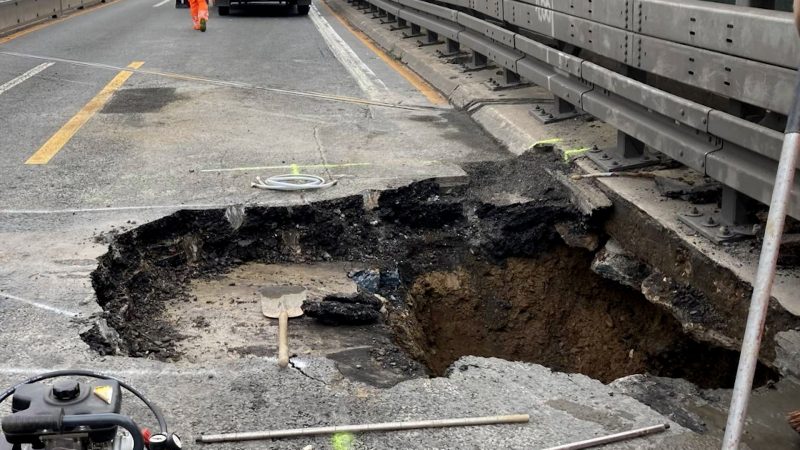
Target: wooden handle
x: 283, y: 339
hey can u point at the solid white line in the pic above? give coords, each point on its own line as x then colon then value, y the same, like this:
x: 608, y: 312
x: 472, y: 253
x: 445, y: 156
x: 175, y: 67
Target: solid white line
x: 39, y: 305
x: 161, y: 3
x: 364, y: 76
x: 118, y: 373
x: 118, y: 208
x: 25, y: 76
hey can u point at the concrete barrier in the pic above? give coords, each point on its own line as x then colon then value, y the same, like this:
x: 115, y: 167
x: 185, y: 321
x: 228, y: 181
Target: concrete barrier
x: 15, y: 14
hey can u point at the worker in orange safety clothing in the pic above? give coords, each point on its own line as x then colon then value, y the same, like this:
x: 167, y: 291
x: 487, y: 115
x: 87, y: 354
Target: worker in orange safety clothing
x: 199, y: 11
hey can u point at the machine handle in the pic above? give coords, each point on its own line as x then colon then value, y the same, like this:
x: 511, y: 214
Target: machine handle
x: 19, y: 424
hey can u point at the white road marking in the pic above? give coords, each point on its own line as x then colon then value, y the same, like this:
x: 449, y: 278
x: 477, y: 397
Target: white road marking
x: 123, y: 372
x: 161, y: 3
x: 9, y: 85
x: 364, y: 76
x: 100, y: 210
x: 39, y: 305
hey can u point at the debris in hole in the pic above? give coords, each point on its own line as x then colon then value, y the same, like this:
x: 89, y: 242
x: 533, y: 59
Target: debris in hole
x: 368, y: 279
x: 613, y: 263
x: 356, y: 309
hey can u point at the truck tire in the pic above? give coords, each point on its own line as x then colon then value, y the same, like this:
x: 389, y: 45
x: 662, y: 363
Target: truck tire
x: 303, y: 9
x: 224, y: 10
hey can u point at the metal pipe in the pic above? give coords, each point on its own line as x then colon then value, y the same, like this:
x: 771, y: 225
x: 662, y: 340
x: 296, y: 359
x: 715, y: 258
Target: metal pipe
x: 765, y: 275
x: 624, y: 436
x: 388, y: 426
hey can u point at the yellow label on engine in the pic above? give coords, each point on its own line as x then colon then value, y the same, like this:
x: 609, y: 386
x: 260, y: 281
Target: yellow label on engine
x: 104, y: 393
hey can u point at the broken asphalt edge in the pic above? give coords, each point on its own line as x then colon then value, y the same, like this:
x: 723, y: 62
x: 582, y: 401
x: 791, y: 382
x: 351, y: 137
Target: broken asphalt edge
x: 503, y: 115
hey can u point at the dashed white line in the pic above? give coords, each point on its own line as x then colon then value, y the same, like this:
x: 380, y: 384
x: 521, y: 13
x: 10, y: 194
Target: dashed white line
x: 161, y: 3
x: 63, y: 312
x: 364, y: 76
x: 9, y: 85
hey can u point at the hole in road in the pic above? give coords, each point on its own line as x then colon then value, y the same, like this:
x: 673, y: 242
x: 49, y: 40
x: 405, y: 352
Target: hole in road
x: 480, y: 268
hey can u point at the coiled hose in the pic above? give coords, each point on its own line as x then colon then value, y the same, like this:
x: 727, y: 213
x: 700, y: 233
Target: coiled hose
x: 294, y: 182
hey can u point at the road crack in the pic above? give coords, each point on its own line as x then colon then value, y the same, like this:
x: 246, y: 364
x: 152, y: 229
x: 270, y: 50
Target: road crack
x: 292, y: 364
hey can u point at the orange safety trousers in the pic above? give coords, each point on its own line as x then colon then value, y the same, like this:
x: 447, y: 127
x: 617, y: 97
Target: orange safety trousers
x: 199, y: 10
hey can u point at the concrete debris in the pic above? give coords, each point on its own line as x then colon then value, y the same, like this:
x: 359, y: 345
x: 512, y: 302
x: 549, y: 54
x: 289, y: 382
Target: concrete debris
x: 787, y: 347
x: 613, y: 263
x: 355, y: 309
x: 104, y: 339
x: 368, y: 280
x: 669, y: 396
x: 590, y: 200
x: 576, y: 235
x: 690, y: 306
x: 707, y: 192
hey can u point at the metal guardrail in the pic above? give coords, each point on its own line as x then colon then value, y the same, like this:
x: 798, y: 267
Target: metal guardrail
x: 15, y: 14
x: 736, y: 55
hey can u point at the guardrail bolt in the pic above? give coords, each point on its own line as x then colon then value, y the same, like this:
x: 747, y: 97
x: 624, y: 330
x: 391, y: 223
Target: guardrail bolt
x: 710, y: 222
x: 725, y: 231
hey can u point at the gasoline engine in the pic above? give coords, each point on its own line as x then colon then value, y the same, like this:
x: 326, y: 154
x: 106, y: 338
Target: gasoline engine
x: 76, y: 415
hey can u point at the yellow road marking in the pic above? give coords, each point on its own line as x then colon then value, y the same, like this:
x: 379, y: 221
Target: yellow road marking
x: 62, y: 136
x: 295, y: 169
x: 547, y: 141
x: 415, y: 80
x: 575, y: 152
x: 38, y: 27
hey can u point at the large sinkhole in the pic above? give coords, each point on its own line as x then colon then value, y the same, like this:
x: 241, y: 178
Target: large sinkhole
x: 480, y: 268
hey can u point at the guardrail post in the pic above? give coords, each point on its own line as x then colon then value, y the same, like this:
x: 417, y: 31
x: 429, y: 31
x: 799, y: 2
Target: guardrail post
x: 390, y: 18
x: 477, y: 61
x: 431, y: 38
x: 629, y: 153
x: 510, y: 80
x: 562, y: 110
x: 416, y: 31
x: 401, y: 25
x: 731, y: 223
x: 453, y: 49
x: 380, y: 13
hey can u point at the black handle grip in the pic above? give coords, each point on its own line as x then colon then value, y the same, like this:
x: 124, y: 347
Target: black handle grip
x: 18, y: 424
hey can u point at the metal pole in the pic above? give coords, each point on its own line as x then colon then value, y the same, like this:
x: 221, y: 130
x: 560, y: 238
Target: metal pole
x: 759, y: 303
x: 602, y: 440
x: 388, y: 426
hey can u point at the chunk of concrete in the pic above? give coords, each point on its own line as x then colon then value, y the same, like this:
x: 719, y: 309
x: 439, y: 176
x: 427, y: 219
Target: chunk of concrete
x: 575, y: 235
x: 613, y: 263
x: 787, y: 348
x: 589, y: 199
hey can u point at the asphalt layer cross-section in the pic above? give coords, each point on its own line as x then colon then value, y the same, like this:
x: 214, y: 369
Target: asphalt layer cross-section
x: 178, y: 137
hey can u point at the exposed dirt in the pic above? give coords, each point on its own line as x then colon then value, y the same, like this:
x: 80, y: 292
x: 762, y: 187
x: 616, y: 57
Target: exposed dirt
x: 552, y: 311
x: 475, y: 269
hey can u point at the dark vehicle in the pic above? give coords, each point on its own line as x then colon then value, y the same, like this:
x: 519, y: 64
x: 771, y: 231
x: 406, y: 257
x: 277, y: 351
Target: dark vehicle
x: 224, y: 6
